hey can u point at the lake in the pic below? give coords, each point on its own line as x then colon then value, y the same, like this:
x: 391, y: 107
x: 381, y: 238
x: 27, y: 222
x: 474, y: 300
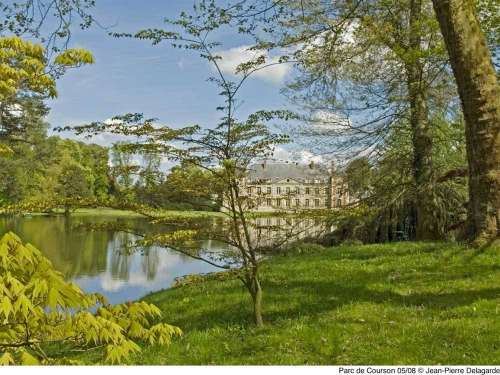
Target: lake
x: 97, y: 260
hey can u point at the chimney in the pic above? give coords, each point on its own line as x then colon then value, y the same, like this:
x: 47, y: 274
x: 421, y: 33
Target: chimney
x: 332, y: 167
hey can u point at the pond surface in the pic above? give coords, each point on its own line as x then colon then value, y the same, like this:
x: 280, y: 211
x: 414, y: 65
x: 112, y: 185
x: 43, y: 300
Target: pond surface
x: 96, y: 260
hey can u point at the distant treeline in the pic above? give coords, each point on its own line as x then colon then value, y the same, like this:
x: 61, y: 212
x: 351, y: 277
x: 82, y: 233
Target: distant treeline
x: 47, y: 168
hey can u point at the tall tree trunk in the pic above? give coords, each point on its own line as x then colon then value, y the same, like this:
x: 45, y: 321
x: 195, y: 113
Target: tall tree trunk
x: 427, y: 228
x: 480, y: 97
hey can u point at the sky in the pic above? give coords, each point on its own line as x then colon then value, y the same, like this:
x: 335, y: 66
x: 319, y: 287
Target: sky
x: 162, y: 82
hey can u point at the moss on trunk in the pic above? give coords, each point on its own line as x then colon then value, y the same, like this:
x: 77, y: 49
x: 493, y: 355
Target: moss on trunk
x: 480, y: 97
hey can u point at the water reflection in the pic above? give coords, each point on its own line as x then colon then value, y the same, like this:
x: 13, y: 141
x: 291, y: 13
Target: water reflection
x: 101, y: 261
x: 275, y: 232
x: 98, y: 261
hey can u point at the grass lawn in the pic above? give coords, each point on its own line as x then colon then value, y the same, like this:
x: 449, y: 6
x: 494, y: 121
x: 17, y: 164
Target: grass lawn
x: 405, y: 303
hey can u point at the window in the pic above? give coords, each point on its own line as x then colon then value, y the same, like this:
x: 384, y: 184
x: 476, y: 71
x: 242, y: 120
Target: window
x: 288, y: 202
x: 339, y: 191
x: 278, y: 202
x: 259, y: 190
x: 269, y: 191
x: 297, y: 190
x: 297, y: 202
x: 249, y: 190
x: 308, y: 191
x: 339, y: 202
x: 288, y: 190
x: 278, y: 190
x: 269, y: 202
x: 316, y: 202
x: 268, y: 220
x: 316, y: 191
x: 307, y: 202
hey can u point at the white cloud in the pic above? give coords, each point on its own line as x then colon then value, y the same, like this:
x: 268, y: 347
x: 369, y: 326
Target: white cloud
x: 300, y: 156
x: 233, y: 57
x: 329, y: 121
x: 112, y: 121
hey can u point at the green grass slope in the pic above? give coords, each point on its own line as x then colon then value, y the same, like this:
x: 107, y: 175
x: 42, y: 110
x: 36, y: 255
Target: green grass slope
x: 406, y: 303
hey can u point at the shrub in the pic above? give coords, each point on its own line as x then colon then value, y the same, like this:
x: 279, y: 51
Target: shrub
x: 38, y: 308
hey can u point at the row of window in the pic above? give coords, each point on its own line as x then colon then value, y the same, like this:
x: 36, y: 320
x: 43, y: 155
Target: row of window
x: 288, y: 190
x: 297, y: 203
x: 287, y: 221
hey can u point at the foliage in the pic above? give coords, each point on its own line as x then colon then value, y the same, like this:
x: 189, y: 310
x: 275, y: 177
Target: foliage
x: 50, y: 22
x: 24, y: 77
x: 358, y: 173
x: 23, y: 67
x: 388, y: 193
x: 192, y: 187
x: 72, y: 184
x: 40, y: 310
x: 489, y: 15
x: 52, y: 170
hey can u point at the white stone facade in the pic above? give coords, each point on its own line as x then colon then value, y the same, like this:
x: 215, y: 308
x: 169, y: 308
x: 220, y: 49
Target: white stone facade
x: 292, y: 186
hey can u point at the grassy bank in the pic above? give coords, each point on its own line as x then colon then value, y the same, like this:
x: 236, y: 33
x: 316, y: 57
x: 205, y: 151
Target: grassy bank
x: 406, y: 303
x: 111, y: 212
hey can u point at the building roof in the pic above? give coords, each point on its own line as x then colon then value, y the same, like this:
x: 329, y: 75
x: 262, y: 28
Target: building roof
x: 278, y: 171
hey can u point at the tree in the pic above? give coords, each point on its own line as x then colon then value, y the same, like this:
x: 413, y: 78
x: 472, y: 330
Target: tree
x: 123, y: 170
x: 73, y: 185
x: 23, y: 78
x: 366, y: 67
x: 148, y: 185
x: 479, y: 93
x: 193, y: 187
x: 38, y: 177
x: 358, y: 173
x: 224, y: 150
x: 39, y: 309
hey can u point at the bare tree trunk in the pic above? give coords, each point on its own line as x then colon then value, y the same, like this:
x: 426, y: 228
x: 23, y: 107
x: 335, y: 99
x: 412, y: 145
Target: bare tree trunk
x: 427, y: 228
x: 480, y: 97
x: 256, y: 292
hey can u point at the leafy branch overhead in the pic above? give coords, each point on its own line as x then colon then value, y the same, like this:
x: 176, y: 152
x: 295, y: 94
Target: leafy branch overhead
x: 23, y: 67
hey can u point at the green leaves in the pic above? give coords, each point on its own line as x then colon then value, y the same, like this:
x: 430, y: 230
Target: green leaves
x: 6, y: 359
x: 74, y: 58
x: 37, y: 306
x: 23, y: 67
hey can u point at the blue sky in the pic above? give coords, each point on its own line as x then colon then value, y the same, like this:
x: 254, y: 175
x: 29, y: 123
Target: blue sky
x: 159, y: 81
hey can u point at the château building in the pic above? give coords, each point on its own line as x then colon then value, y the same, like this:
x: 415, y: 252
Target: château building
x: 278, y: 186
